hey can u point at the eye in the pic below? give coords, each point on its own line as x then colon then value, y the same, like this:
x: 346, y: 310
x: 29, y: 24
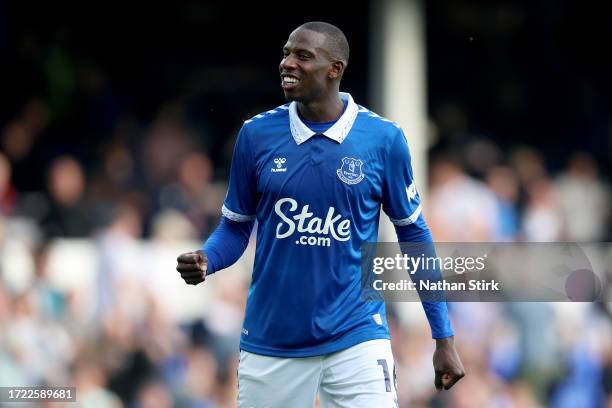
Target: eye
x: 303, y: 57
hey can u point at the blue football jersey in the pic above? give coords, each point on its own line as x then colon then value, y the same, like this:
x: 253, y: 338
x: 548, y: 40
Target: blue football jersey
x: 316, y: 198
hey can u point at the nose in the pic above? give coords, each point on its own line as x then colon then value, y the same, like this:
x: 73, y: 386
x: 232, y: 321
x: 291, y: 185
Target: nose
x: 287, y: 63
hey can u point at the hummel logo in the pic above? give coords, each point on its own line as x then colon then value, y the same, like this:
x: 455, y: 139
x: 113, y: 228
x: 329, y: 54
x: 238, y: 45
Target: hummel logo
x: 279, y: 162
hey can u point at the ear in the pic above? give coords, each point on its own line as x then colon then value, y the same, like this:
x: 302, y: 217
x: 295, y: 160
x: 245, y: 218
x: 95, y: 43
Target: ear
x: 335, y: 70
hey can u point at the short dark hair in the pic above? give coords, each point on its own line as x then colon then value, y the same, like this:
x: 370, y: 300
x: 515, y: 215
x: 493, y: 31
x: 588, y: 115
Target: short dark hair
x: 335, y: 42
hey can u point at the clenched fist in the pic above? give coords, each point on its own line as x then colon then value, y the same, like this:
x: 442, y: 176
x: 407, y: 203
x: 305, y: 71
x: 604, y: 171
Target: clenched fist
x: 447, y: 364
x: 192, y: 266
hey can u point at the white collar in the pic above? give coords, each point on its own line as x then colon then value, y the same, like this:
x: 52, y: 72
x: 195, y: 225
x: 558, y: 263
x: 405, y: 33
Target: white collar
x: 337, y: 132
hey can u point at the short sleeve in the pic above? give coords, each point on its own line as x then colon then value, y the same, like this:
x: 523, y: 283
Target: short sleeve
x: 401, y: 200
x: 241, y: 200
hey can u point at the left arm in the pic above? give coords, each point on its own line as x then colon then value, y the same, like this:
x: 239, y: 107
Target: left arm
x: 437, y: 311
x: 402, y: 204
x: 447, y: 364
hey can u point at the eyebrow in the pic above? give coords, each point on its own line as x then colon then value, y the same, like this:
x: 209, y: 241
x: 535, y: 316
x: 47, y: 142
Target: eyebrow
x: 298, y: 50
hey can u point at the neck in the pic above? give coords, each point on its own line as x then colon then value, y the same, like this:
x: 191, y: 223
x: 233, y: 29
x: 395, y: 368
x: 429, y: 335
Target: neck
x: 322, y: 111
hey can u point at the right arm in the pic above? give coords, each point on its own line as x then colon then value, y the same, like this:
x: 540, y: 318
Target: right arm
x: 229, y: 240
x: 224, y: 247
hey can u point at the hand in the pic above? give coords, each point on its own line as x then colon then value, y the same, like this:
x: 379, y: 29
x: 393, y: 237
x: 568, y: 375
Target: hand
x: 447, y: 364
x: 192, y: 266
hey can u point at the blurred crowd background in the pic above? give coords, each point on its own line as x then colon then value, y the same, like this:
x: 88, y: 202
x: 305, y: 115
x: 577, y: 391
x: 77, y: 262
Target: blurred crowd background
x: 116, y: 131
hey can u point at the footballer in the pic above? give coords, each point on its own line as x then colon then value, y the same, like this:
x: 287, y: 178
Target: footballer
x: 314, y: 173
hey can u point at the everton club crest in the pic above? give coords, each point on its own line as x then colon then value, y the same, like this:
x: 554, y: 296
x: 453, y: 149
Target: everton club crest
x: 351, y: 171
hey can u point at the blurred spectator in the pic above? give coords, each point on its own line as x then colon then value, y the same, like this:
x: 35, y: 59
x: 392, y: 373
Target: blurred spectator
x: 70, y: 215
x: 542, y: 219
x: 194, y: 194
x: 20, y: 135
x: 126, y: 362
x: 154, y: 394
x: 528, y: 164
x: 90, y: 381
x: 224, y: 318
x: 539, y: 345
x: 119, y: 272
x: 503, y: 182
x: 456, y: 196
x: 119, y: 166
x: 22, y: 145
x: 480, y: 156
x: 8, y: 193
x: 43, y: 360
x: 168, y: 142
x: 172, y: 226
x: 606, y: 361
x: 584, y: 200
x: 200, y: 379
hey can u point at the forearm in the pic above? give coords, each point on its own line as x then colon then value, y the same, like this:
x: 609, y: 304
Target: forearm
x: 436, y: 311
x: 227, y: 244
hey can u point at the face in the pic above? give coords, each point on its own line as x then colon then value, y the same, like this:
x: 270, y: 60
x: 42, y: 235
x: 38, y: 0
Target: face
x: 307, y: 70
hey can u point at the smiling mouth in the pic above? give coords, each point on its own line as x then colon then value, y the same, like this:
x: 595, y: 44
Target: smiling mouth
x: 289, y: 81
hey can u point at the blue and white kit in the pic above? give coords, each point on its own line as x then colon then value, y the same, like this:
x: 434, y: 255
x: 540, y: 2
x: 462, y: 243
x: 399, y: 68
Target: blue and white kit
x: 316, y: 191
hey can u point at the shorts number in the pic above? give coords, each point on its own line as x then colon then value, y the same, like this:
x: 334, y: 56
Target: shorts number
x: 383, y: 363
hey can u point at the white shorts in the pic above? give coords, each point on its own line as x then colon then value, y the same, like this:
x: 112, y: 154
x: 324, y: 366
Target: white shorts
x: 360, y: 376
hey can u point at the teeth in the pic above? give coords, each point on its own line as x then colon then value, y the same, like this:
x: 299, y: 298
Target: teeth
x: 290, y: 80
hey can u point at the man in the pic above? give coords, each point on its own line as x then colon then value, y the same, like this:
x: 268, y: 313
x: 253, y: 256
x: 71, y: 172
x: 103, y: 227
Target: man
x: 314, y: 173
